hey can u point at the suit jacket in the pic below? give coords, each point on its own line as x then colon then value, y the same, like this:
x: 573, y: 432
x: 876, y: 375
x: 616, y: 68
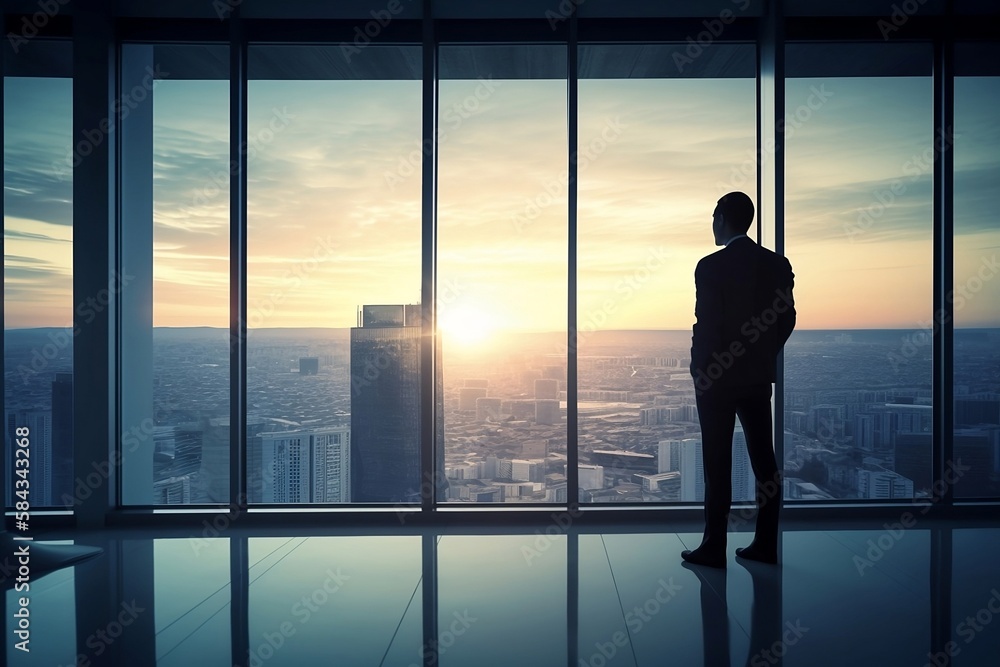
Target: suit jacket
x: 745, y: 312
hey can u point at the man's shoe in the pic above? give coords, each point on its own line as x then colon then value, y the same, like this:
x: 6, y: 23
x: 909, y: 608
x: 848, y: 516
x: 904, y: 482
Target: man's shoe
x: 700, y: 557
x: 752, y: 552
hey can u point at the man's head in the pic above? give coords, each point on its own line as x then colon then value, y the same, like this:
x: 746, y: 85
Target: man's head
x: 733, y: 215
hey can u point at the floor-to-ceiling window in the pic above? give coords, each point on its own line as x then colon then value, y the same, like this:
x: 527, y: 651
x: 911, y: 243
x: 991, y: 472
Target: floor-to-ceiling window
x: 502, y: 271
x: 335, y: 264
x: 333, y: 274
x: 858, y: 232
x: 662, y: 136
x: 38, y: 300
x: 975, y: 469
x: 174, y: 265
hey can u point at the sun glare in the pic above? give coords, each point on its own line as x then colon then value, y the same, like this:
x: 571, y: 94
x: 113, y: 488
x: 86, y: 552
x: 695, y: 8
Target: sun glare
x: 465, y: 326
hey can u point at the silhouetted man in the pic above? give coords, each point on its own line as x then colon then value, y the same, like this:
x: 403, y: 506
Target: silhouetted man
x: 745, y: 313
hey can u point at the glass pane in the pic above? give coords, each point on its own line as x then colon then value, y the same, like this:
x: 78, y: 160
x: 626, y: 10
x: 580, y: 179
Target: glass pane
x: 976, y: 297
x: 858, y: 227
x: 175, y: 250
x: 38, y: 272
x: 657, y: 151
x: 502, y: 272
x: 334, y: 228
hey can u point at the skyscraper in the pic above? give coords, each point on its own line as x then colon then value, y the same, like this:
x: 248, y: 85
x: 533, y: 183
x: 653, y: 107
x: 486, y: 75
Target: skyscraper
x: 883, y: 484
x: 692, y: 472
x: 39, y: 424
x: 303, y: 466
x: 385, y: 406
x: 62, y: 436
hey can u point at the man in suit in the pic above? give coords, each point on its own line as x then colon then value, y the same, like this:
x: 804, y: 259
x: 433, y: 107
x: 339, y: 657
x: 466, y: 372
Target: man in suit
x: 745, y: 313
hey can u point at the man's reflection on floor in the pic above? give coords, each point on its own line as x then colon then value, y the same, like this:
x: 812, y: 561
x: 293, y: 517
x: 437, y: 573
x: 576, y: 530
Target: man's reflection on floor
x: 766, y: 646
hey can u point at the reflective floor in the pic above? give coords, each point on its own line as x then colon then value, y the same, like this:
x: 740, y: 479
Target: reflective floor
x: 872, y: 597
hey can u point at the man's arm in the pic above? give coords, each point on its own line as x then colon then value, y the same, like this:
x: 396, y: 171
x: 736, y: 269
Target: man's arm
x: 708, y: 311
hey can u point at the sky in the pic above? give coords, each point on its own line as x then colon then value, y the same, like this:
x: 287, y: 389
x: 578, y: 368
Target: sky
x: 334, y: 200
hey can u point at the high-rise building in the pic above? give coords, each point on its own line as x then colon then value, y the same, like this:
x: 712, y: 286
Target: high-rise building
x: 864, y: 432
x: 308, y: 365
x: 975, y: 411
x: 527, y: 471
x: 172, y: 491
x: 692, y: 469
x: 546, y: 388
x: 62, y: 437
x: 488, y: 409
x: 39, y: 425
x: 467, y: 397
x: 883, y: 484
x: 591, y: 476
x: 547, y: 411
x: 304, y: 467
x: 974, y: 449
x: 385, y: 406
x: 913, y: 459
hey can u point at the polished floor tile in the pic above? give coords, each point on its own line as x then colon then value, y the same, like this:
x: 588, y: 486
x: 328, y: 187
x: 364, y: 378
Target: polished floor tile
x: 617, y: 599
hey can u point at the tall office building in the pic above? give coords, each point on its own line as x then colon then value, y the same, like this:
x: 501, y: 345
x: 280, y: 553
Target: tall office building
x: 591, y: 476
x: 172, y: 491
x: 974, y: 449
x: 883, y: 484
x: 974, y: 411
x: 308, y: 365
x: 864, y: 432
x: 912, y: 456
x: 39, y: 424
x: 385, y: 406
x: 62, y: 437
x: 303, y: 467
x: 692, y: 469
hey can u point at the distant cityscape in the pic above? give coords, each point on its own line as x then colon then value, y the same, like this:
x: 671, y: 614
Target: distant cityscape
x: 333, y: 416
